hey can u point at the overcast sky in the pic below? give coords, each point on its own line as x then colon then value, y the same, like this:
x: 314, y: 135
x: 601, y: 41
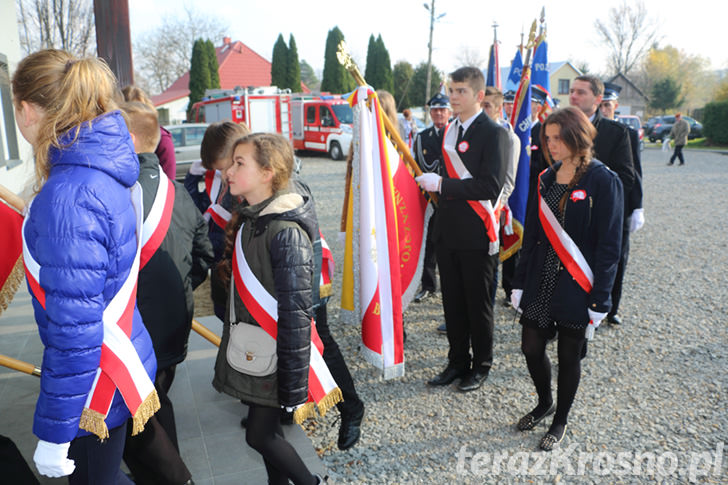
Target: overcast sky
x: 693, y: 26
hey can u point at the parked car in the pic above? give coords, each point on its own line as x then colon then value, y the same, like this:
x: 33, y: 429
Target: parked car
x: 634, y: 123
x: 187, y: 138
x: 658, y: 128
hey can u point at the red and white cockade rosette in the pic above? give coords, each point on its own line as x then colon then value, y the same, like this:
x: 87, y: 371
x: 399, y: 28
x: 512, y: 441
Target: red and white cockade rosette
x: 155, y: 226
x: 456, y: 170
x: 120, y: 366
x: 323, y: 392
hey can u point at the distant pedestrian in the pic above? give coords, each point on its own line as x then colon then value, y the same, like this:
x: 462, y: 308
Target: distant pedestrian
x: 679, y: 132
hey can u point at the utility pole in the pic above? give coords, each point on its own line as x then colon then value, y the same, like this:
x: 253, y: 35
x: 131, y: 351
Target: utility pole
x: 431, y: 9
x: 113, y: 40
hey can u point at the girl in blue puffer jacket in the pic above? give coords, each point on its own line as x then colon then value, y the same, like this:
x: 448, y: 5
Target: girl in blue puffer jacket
x: 81, y: 252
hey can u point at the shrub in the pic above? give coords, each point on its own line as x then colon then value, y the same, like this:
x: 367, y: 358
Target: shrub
x: 715, y: 122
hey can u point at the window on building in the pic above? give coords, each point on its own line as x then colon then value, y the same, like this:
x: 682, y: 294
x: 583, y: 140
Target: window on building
x: 9, y: 153
x: 563, y: 86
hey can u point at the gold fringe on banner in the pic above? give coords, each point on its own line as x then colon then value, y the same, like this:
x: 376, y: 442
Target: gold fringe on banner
x: 326, y: 290
x: 11, y: 284
x: 308, y: 410
x: 146, y: 410
x: 93, y: 422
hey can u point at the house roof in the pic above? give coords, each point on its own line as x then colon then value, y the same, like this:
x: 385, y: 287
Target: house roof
x: 621, y: 77
x: 238, y: 65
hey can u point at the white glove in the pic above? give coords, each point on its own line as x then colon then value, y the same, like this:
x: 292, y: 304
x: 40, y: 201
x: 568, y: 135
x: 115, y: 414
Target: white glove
x: 636, y: 220
x: 290, y: 409
x: 516, y: 298
x: 51, y: 459
x: 595, y: 318
x: 429, y: 181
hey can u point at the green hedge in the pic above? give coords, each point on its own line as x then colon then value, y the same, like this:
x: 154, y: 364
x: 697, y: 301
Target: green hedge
x: 715, y: 122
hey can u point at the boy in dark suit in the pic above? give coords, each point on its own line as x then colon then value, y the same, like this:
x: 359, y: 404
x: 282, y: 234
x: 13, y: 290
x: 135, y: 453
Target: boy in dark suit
x: 475, y: 153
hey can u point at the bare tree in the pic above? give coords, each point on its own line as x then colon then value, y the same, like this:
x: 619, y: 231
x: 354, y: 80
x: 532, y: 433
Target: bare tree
x: 629, y: 33
x: 163, y: 54
x: 471, y: 56
x: 60, y: 24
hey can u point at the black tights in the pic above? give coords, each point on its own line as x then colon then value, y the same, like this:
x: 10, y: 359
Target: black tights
x: 570, y: 352
x: 265, y: 435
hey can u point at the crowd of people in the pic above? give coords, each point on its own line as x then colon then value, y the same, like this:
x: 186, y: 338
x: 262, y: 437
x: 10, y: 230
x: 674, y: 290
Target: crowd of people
x: 114, y: 247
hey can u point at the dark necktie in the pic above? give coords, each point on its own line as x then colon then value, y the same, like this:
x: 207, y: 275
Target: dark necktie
x: 460, y: 134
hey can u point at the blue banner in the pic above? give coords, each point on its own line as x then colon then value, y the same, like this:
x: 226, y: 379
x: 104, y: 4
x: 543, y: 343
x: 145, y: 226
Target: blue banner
x: 514, y: 76
x: 540, y: 65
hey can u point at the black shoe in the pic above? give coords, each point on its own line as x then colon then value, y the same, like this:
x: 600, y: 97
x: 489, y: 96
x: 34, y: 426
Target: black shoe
x: 350, y: 429
x: 614, y: 319
x: 474, y: 379
x: 529, y: 421
x: 551, y: 439
x: 442, y: 329
x: 447, y: 376
x: 681, y: 164
x: 669, y: 163
x: 422, y: 295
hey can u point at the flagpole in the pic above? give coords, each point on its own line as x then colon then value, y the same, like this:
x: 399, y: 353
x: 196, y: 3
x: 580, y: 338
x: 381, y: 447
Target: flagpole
x: 206, y: 333
x: 402, y: 148
x: 19, y: 365
x: 11, y: 199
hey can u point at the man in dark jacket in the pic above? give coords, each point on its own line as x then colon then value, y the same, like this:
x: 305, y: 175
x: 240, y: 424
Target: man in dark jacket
x: 608, y: 108
x: 428, y: 155
x: 176, y: 255
x: 475, y: 150
x: 611, y: 145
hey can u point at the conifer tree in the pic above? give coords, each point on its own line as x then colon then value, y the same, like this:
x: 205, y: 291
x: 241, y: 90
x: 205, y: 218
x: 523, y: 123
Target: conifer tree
x: 384, y: 66
x: 294, y: 68
x: 336, y: 78
x: 213, y: 67
x: 371, y: 73
x: 279, y: 64
x: 199, y: 73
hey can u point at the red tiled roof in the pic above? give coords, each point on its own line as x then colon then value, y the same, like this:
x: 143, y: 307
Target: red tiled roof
x: 238, y: 66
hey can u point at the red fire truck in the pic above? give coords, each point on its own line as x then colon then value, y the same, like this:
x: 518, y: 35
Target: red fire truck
x: 322, y: 123
x: 265, y: 109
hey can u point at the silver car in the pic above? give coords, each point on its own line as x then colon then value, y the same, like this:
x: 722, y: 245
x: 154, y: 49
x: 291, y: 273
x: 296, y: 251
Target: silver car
x: 187, y: 138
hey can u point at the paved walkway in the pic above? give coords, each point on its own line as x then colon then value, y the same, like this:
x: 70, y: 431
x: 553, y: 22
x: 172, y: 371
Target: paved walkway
x: 210, y: 438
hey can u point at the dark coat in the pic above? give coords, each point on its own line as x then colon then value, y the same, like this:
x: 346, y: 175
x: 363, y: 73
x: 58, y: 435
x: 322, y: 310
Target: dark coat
x: 427, y: 150
x: 596, y: 228
x: 276, y: 242
x: 635, y: 195
x: 179, y: 265
x: 456, y: 223
x: 612, y: 147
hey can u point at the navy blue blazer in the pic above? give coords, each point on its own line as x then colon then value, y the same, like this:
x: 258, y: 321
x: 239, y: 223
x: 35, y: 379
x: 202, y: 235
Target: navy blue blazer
x: 594, y: 223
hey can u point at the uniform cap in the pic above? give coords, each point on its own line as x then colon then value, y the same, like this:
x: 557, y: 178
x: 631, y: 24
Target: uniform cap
x: 439, y: 100
x: 611, y: 92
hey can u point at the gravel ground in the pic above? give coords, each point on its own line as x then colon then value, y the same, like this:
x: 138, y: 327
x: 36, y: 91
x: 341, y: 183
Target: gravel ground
x: 651, y: 405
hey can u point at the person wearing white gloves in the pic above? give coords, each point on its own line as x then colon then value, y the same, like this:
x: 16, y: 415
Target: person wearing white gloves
x: 569, y: 259
x: 81, y: 253
x: 635, y: 215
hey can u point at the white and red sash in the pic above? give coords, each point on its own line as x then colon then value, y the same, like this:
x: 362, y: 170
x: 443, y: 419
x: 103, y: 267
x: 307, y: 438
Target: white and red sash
x: 216, y: 212
x: 327, y: 268
x: 120, y: 366
x: 566, y: 249
x: 157, y: 222
x: 263, y: 307
x: 456, y: 169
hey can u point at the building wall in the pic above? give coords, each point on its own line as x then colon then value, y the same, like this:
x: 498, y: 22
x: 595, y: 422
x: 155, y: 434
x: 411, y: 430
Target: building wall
x: 176, y: 111
x: 16, y: 160
x: 561, y: 81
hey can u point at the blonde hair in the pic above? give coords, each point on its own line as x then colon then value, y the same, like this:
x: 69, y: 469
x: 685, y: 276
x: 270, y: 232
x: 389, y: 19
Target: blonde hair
x: 272, y: 152
x: 143, y: 122
x: 70, y: 92
x: 388, y: 105
x: 134, y: 93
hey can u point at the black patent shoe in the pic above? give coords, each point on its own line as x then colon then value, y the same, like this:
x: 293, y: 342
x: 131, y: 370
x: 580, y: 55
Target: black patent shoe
x: 614, y: 319
x: 447, y: 376
x: 350, y: 430
x: 422, y: 295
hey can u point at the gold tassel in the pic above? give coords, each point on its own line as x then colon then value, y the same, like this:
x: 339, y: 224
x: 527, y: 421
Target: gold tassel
x: 93, y: 422
x: 11, y: 284
x: 330, y: 400
x: 146, y: 410
x: 303, y: 413
x: 326, y: 290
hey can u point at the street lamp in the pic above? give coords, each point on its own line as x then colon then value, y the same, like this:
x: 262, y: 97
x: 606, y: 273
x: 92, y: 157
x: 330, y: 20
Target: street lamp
x: 433, y: 18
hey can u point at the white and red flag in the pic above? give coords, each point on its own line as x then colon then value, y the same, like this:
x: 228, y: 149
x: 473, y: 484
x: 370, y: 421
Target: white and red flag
x: 386, y: 221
